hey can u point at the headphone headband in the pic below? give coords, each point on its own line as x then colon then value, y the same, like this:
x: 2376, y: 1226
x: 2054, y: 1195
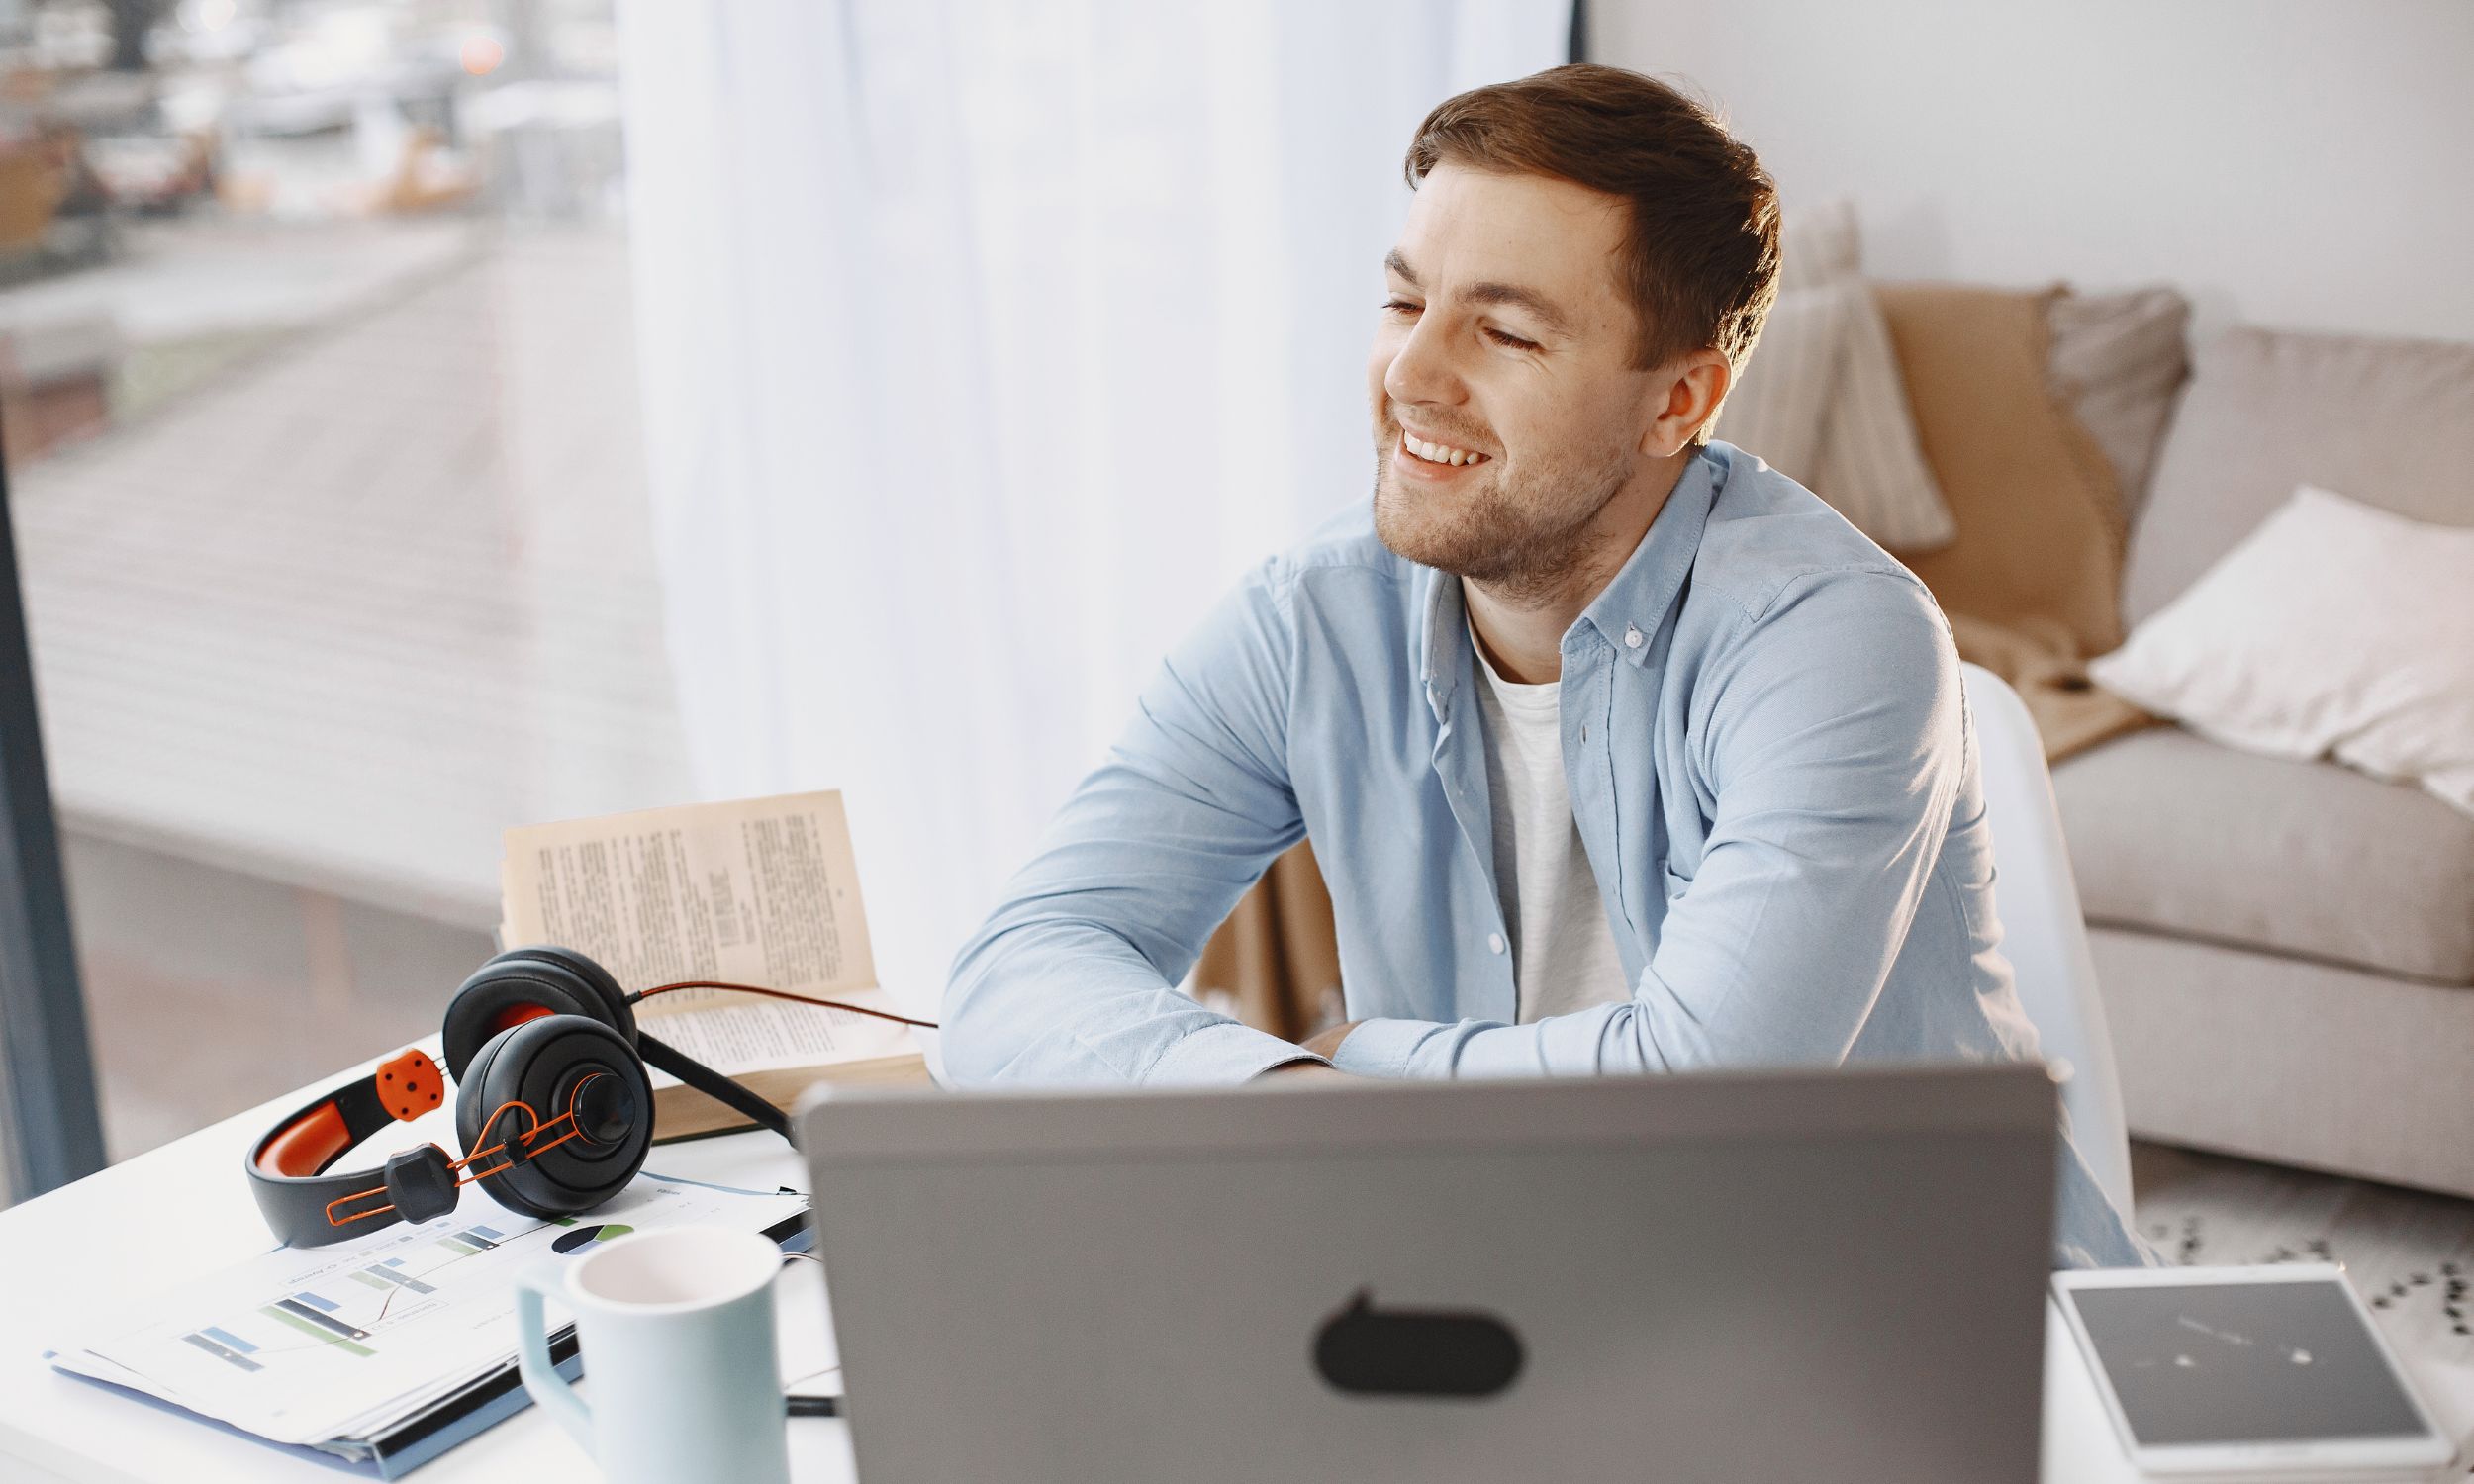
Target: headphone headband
x: 289, y: 1169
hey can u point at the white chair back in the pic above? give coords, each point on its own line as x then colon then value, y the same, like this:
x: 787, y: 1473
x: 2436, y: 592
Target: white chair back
x: 2043, y: 934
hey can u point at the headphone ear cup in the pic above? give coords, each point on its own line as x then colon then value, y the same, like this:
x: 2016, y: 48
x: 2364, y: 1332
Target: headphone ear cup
x: 470, y: 1110
x: 594, y: 976
x: 570, y: 1066
x: 525, y: 984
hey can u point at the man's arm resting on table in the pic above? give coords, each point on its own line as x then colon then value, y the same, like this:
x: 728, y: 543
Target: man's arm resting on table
x: 1071, y: 977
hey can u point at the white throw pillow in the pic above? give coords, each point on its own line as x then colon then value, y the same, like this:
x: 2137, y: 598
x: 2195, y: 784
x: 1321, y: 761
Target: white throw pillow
x: 1792, y: 381
x: 2335, y: 630
x: 1872, y: 466
x: 1818, y: 244
x: 1823, y: 399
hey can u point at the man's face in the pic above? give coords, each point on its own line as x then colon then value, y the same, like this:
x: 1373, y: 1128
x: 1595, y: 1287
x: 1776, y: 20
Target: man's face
x: 1504, y: 335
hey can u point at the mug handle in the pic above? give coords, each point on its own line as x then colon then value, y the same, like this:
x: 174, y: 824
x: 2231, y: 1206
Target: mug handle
x: 532, y: 1359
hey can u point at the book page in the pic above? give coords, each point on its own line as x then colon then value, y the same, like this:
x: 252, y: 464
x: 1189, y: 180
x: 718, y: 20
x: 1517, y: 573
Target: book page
x: 759, y: 892
x: 751, y: 1034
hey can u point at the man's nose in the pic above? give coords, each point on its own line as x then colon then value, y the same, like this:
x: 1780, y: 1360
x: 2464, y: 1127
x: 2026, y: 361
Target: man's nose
x: 1421, y: 370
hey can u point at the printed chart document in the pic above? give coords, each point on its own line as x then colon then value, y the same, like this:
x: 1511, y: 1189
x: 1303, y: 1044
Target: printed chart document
x: 327, y: 1347
x: 754, y: 891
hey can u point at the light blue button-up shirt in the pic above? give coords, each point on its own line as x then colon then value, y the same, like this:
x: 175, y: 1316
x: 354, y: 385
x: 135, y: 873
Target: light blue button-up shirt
x: 1769, y: 761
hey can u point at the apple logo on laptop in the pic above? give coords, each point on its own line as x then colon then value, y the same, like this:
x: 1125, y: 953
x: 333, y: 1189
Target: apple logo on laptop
x: 1364, y: 1350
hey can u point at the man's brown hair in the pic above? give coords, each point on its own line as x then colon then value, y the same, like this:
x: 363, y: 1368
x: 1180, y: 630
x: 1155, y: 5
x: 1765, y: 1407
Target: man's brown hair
x: 1700, y: 259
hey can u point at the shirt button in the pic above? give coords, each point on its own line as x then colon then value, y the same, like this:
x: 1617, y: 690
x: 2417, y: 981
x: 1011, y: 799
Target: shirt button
x: 1632, y: 637
x: 1495, y: 943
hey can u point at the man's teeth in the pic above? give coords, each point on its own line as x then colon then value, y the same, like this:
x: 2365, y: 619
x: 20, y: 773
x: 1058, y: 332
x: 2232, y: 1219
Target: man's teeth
x: 1437, y: 453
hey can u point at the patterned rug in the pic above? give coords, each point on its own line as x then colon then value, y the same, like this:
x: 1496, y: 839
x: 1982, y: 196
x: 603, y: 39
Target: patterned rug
x: 2408, y: 1252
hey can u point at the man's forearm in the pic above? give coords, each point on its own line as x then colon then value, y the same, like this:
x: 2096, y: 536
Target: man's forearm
x: 1066, y: 1002
x: 1071, y: 978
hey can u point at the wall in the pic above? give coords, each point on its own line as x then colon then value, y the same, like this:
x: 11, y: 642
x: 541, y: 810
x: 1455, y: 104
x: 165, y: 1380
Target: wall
x: 2283, y: 162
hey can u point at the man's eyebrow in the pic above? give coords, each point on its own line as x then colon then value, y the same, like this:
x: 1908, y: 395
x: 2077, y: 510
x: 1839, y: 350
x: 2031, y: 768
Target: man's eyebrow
x: 1492, y: 292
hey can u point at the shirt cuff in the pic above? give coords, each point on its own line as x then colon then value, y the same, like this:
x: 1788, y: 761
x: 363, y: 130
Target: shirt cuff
x: 1222, y: 1054
x: 1381, y: 1048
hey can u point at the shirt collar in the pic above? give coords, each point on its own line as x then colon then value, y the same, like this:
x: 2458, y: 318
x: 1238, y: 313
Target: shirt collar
x: 1643, y: 590
x: 1636, y: 600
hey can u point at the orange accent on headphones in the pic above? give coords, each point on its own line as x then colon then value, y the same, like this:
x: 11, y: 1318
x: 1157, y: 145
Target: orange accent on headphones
x: 516, y: 1015
x: 333, y: 1219
x: 409, y: 1084
x: 303, y: 1146
x: 465, y: 1175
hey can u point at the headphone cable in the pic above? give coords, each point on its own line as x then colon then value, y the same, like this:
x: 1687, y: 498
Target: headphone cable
x: 796, y: 999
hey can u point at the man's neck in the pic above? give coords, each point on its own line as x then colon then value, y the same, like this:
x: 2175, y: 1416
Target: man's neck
x: 1521, y: 626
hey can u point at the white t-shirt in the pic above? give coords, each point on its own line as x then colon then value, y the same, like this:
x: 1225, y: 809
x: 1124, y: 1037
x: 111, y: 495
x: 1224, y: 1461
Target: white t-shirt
x: 1563, y: 956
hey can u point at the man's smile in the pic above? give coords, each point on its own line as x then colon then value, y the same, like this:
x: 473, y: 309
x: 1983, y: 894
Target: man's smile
x: 1428, y: 451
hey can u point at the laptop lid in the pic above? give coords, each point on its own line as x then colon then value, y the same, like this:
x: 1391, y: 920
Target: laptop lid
x: 1722, y: 1276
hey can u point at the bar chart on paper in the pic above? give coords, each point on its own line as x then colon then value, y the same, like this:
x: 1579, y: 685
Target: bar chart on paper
x: 388, y: 1292
x: 305, y: 1339
x: 305, y: 1346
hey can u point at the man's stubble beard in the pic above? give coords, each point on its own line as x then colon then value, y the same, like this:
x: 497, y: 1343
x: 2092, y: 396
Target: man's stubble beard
x: 1527, y: 541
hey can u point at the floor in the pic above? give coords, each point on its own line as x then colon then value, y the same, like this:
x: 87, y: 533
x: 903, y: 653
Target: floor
x: 2410, y: 1253
x: 209, y: 991
x: 360, y: 577
x: 341, y: 614
x: 191, y: 278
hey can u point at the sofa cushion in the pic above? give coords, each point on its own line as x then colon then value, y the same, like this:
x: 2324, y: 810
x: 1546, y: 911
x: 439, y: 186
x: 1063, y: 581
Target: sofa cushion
x: 1822, y: 400
x: 2175, y: 834
x: 2334, y: 631
x: 1872, y: 467
x: 1776, y: 412
x: 2121, y: 358
x: 2032, y: 585
x: 2389, y: 422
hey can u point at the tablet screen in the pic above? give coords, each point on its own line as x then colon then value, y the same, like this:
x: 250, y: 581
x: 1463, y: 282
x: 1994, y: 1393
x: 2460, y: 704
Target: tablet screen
x: 2232, y: 1364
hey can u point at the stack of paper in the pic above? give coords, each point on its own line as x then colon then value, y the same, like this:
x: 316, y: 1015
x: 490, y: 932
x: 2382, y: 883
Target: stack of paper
x: 346, y: 1348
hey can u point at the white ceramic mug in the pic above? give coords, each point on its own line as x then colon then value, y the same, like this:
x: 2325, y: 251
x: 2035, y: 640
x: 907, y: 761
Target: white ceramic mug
x: 677, y: 1332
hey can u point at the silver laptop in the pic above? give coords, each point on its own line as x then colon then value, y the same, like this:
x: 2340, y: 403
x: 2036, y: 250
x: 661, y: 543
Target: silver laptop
x: 1718, y: 1276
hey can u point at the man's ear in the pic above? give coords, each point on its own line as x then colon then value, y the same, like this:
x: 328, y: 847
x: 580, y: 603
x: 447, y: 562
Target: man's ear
x: 1684, y: 395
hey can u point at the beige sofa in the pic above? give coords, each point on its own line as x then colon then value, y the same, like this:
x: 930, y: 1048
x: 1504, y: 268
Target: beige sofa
x: 2287, y: 949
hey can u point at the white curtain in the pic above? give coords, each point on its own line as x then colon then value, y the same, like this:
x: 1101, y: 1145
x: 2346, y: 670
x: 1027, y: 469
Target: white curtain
x: 984, y: 343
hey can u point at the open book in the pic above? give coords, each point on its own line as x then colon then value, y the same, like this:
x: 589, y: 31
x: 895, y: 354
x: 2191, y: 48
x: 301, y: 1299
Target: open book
x: 756, y: 891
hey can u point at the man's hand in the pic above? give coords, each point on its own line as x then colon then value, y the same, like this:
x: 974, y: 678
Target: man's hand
x: 1326, y: 1044
x: 1303, y: 1071
x: 1323, y: 1045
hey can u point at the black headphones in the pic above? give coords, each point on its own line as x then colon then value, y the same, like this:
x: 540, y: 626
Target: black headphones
x: 552, y: 1106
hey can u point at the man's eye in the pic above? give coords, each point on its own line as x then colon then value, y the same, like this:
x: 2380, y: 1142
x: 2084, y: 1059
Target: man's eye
x: 1399, y: 306
x: 1514, y: 341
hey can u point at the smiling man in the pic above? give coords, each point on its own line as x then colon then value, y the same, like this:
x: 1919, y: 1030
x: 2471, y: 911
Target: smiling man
x: 1620, y: 752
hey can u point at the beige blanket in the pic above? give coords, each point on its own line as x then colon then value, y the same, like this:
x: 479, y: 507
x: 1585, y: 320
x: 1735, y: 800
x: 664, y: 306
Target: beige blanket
x: 2033, y: 586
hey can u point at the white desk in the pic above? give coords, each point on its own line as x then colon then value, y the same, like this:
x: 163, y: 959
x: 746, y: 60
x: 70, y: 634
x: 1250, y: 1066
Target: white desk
x: 184, y: 1208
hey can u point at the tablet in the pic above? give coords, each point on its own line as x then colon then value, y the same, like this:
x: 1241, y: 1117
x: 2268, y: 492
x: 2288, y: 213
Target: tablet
x: 2247, y: 1370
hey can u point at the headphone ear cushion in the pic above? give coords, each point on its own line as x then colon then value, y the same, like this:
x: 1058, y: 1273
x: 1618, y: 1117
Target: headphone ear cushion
x: 547, y: 1064
x: 596, y: 980
x: 524, y: 984
x: 470, y: 1110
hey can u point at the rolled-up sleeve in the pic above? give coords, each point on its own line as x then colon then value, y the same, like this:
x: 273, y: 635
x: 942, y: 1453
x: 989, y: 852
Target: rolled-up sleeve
x: 1070, y: 979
